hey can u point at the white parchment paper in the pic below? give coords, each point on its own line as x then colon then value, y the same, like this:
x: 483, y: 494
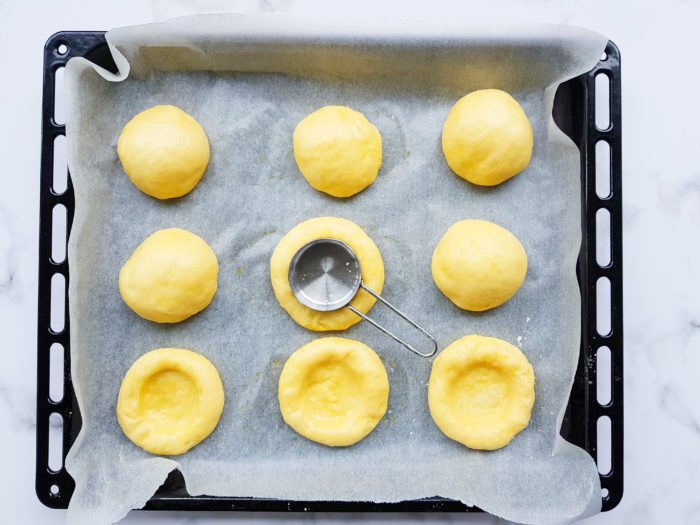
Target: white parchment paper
x: 248, y: 81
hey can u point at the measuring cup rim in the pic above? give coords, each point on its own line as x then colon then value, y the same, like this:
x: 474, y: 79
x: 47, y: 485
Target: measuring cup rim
x: 294, y: 282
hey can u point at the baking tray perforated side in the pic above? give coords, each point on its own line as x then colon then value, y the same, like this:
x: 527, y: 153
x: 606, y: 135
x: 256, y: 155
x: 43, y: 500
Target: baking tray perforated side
x: 58, y: 416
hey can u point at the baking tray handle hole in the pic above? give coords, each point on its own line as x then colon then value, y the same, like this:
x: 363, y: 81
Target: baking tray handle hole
x: 56, y: 375
x: 602, y: 169
x: 603, y: 376
x: 59, y: 184
x: 602, y: 101
x: 57, y: 320
x: 603, y: 306
x: 55, y: 442
x: 59, y: 230
x: 604, y: 450
x: 602, y: 238
x: 59, y: 101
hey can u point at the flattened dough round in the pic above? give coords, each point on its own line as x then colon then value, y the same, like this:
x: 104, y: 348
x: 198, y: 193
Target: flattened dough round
x: 171, y: 276
x: 343, y: 230
x: 164, y: 151
x: 487, y: 137
x: 333, y: 391
x: 170, y: 400
x: 481, y: 392
x: 338, y: 150
x: 479, y: 265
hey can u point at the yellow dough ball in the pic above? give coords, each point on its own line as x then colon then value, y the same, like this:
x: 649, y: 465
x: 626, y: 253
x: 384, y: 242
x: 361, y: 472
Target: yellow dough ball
x: 338, y: 150
x: 170, y: 400
x: 481, y: 392
x: 487, y: 137
x: 164, y: 151
x: 351, y: 234
x: 333, y: 391
x: 479, y: 265
x: 171, y: 276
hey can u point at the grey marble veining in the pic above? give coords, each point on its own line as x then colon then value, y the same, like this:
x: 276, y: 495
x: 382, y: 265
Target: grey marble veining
x: 661, y: 152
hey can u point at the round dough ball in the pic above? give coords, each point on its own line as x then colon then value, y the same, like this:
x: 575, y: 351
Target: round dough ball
x: 481, y: 392
x: 479, y: 265
x: 345, y: 231
x: 338, y: 150
x: 487, y: 137
x: 170, y: 400
x: 164, y: 151
x: 171, y: 276
x: 333, y: 391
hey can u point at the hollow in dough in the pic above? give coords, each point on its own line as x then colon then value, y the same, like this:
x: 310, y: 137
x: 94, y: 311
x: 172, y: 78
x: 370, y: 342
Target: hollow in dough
x: 481, y: 392
x: 333, y: 391
x: 170, y: 400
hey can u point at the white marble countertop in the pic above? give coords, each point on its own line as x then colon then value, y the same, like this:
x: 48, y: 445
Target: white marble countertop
x: 659, y: 43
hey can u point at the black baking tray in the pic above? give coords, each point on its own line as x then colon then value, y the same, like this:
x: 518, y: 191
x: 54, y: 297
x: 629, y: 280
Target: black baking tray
x: 574, y: 113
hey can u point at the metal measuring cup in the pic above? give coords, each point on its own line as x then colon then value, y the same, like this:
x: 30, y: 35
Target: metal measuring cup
x: 325, y: 275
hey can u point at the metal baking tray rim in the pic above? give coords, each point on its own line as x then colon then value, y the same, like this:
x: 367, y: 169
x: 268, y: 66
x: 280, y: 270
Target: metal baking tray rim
x: 574, y: 112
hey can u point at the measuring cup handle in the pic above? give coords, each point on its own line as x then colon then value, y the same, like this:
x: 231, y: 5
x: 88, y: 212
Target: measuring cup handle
x: 400, y: 314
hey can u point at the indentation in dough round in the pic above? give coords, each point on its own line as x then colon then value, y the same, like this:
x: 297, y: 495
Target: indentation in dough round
x: 481, y: 392
x: 479, y: 265
x: 164, y: 152
x: 170, y: 400
x: 171, y: 276
x: 487, y: 138
x: 324, y: 228
x: 337, y: 150
x: 333, y: 391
